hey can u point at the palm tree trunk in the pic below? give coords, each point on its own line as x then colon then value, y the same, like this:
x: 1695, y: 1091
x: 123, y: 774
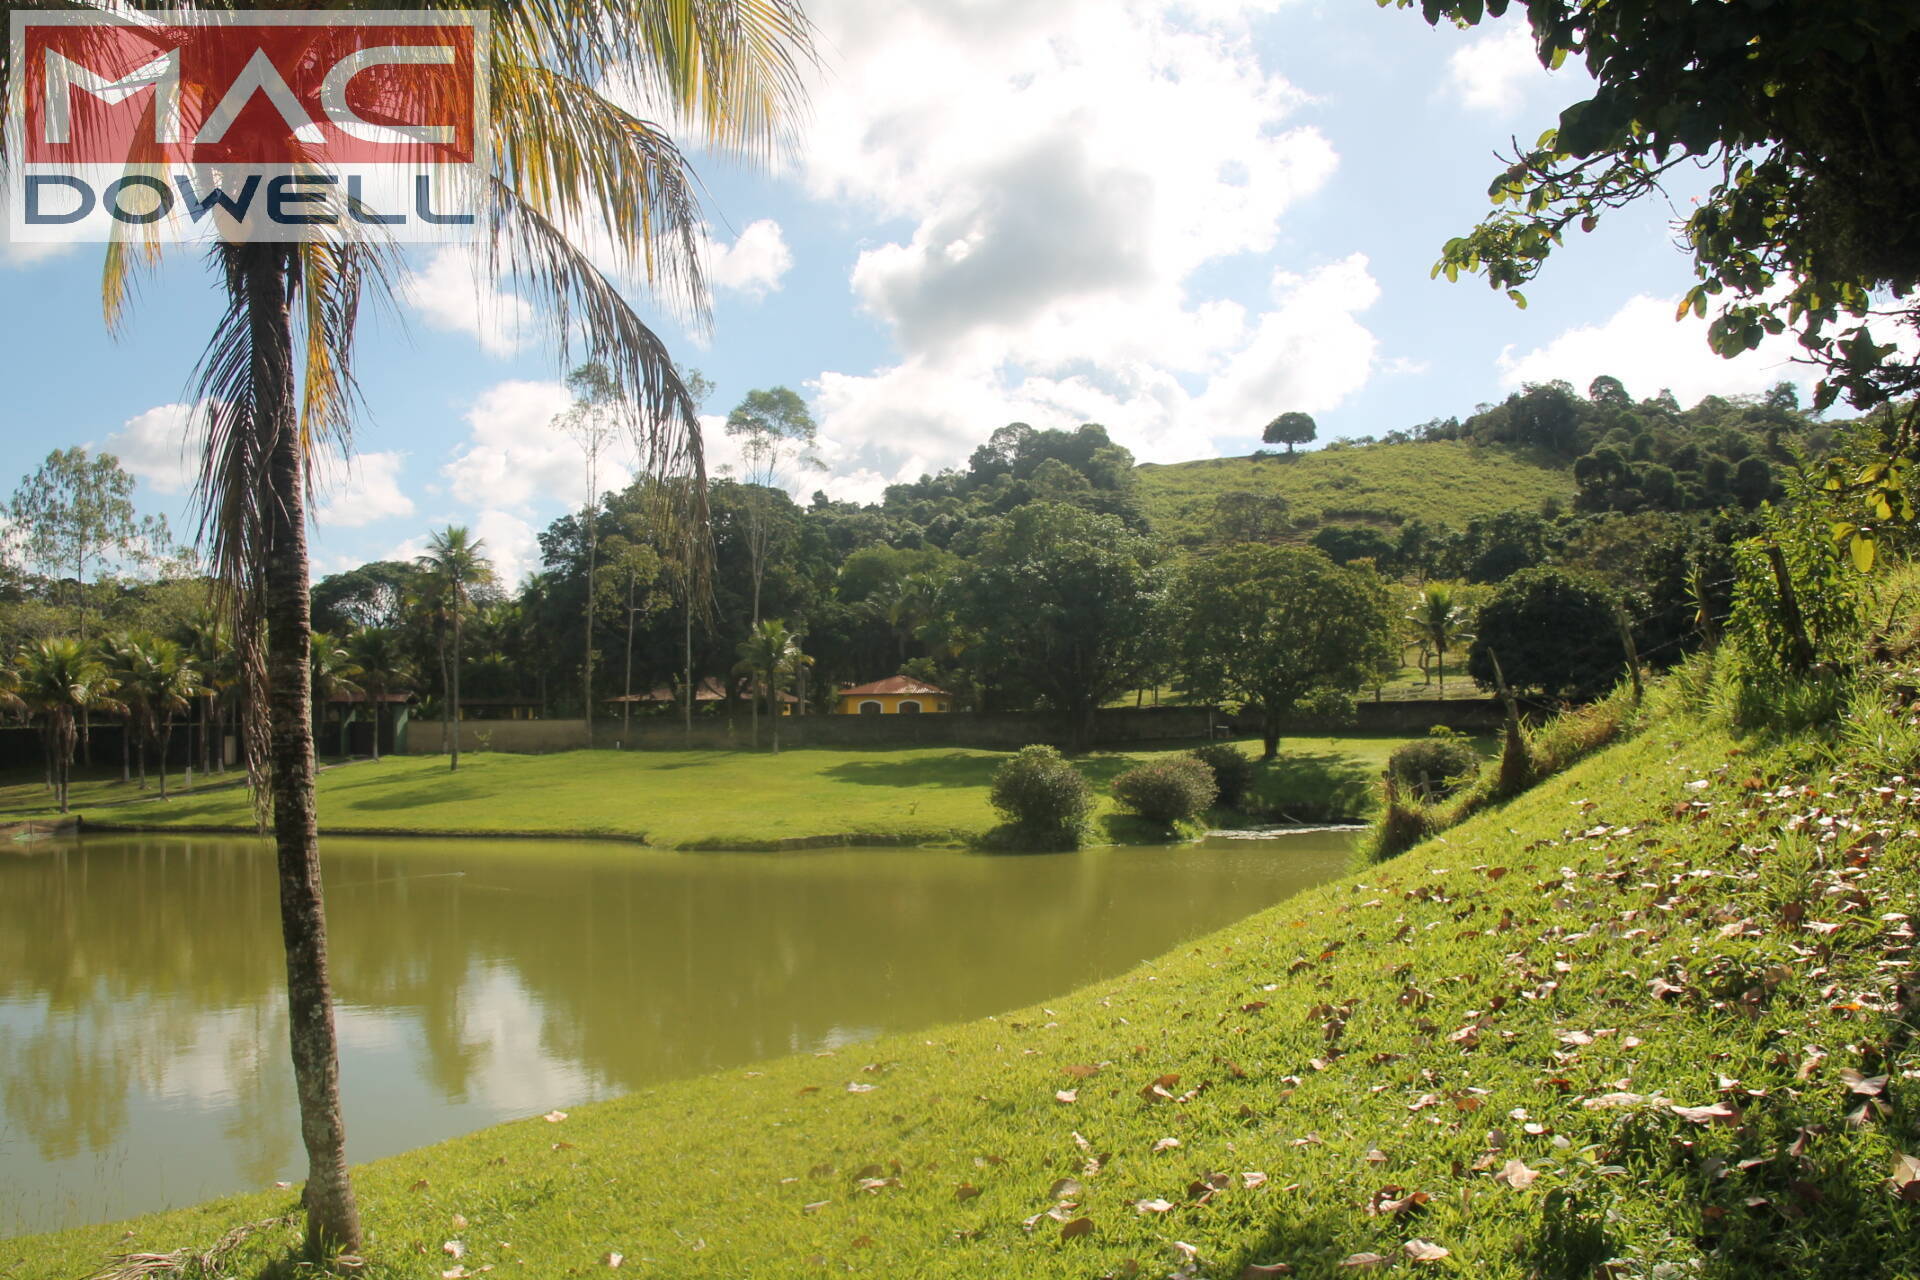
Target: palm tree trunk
x: 447, y: 739
x: 454, y: 764
x: 586, y: 681
x: 166, y: 740
x: 686, y: 693
x: 140, y: 753
x: 333, y: 1218
x: 626, y: 706
x: 126, y: 748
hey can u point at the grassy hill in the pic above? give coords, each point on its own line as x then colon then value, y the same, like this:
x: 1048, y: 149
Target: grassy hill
x: 1653, y: 1018
x: 1442, y: 482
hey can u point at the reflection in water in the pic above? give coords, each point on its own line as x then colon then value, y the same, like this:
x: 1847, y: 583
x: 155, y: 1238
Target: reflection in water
x: 143, y: 1038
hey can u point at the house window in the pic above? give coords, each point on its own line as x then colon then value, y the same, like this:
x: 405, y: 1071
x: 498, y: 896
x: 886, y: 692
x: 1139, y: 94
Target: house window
x: 940, y: 706
x: 909, y: 708
x: 870, y: 708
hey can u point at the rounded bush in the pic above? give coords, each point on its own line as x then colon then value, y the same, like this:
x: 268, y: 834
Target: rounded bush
x: 1232, y: 770
x: 1436, y: 767
x: 1040, y: 793
x: 1167, y: 791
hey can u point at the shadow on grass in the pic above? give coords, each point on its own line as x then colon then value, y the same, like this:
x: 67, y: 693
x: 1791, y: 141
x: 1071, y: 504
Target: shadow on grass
x: 1318, y: 787
x: 954, y: 769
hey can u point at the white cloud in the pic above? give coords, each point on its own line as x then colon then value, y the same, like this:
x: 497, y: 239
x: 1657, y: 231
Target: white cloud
x: 1494, y: 71
x: 1643, y: 346
x: 514, y: 457
x: 451, y: 293
x: 363, y: 490
x: 162, y: 446
x: 754, y: 264
x: 510, y: 542
x: 1056, y: 227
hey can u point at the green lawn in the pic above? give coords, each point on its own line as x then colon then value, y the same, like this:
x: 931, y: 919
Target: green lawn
x: 732, y: 799
x: 1443, y: 482
x: 1590, y: 1033
x: 24, y: 792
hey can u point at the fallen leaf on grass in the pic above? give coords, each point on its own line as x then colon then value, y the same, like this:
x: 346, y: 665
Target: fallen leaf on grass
x: 1363, y: 1260
x: 965, y: 1191
x: 1078, y: 1227
x: 1065, y: 1189
x: 1166, y: 1144
x: 1906, y: 1177
x: 1706, y: 1115
x: 1153, y: 1206
x: 1263, y: 1270
x: 1864, y: 1085
x: 1066, y: 1095
x: 1425, y: 1251
x: 554, y: 1117
x: 1516, y: 1175
x: 614, y: 1259
x: 454, y: 1249
x: 1253, y: 1178
x: 856, y: 1087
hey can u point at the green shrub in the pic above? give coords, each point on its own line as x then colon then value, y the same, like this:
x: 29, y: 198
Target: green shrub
x: 1435, y: 767
x: 1403, y: 823
x: 1232, y: 770
x: 1167, y: 791
x: 1043, y: 798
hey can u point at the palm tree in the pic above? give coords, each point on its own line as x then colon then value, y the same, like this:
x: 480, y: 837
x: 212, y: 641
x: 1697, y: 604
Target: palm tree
x: 276, y: 383
x: 208, y: 636
x: 58, y: 680
x: 770, y: 657
x: 383, y: 668
x: 333, y: 672
x: 159, y: 683
x: 115, y: 650
x: 1441, y: 622
x: 453, y: 566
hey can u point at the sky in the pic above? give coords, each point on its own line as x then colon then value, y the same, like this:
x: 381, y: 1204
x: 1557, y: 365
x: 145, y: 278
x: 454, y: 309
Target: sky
x: 1176, y: 219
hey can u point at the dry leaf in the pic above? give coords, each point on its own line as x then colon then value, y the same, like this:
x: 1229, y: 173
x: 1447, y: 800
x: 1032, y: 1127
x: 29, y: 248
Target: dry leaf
x: 1081, y: 1071
x: 459, y: 1222
x: 1166, y: 1144
x: 965, y: 1191
x: 1906, y: 1177
x: 1864, y: 1085
x: 856, y: 1087
x: 1064, y: 1189
x: 1066, y: 1095
x: 1264, y: 1270
x: 1359, y: 1260
x: 1078, y: 1227
x: 1253, y: 1178
x: 454, y: 1249
x: 554, y: 1117
x: 1706, y: 1115
x: 1516, y: 1175
x: 1424, y: 1251
x: 614, y: 1259
x: 1153, y: 1206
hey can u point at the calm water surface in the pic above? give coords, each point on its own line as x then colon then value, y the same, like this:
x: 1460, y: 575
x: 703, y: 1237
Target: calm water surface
x: 143, y: 1057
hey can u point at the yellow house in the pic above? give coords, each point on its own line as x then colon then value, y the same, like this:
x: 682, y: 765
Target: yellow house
x: 894, y: 696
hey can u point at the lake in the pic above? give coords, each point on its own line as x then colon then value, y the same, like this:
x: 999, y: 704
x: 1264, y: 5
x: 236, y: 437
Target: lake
x: 143, y: 1041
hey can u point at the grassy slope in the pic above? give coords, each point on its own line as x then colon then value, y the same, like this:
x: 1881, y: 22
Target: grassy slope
x: 1444, y: 482
x: 722, y: 799
x: 1541, y: 986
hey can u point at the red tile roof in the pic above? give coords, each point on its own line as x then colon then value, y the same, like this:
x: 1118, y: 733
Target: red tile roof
x: 895, y: 684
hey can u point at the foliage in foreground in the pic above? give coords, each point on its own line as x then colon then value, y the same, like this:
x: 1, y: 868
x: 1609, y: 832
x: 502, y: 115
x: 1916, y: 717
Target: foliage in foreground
x: 1651, y: 1018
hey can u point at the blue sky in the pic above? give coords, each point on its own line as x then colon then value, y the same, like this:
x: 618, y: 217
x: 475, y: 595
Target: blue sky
x: 1176, y: 219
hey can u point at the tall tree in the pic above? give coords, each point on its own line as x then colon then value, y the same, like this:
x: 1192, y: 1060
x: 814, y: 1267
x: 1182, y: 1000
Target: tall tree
x: 59, y: 679
x: 453, y: 566
x: 775, y: 430
x: 1060, y: 598
x: 276, y: 383
x: 334, y: 672
x: 1267, y: 626
x: 75, y: 515
x: 159, y: 683
x: 596, y: 413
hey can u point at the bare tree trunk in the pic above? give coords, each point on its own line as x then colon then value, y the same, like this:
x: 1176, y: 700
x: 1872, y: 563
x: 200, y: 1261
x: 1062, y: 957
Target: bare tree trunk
x: 626, y: 705
x: 447, y: 739
x: 126, y: 748
x: 140, y: 753
x: 166, y: 740
x: 686, y: 696
x: 454, y: 764
x: 333, y: 1218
